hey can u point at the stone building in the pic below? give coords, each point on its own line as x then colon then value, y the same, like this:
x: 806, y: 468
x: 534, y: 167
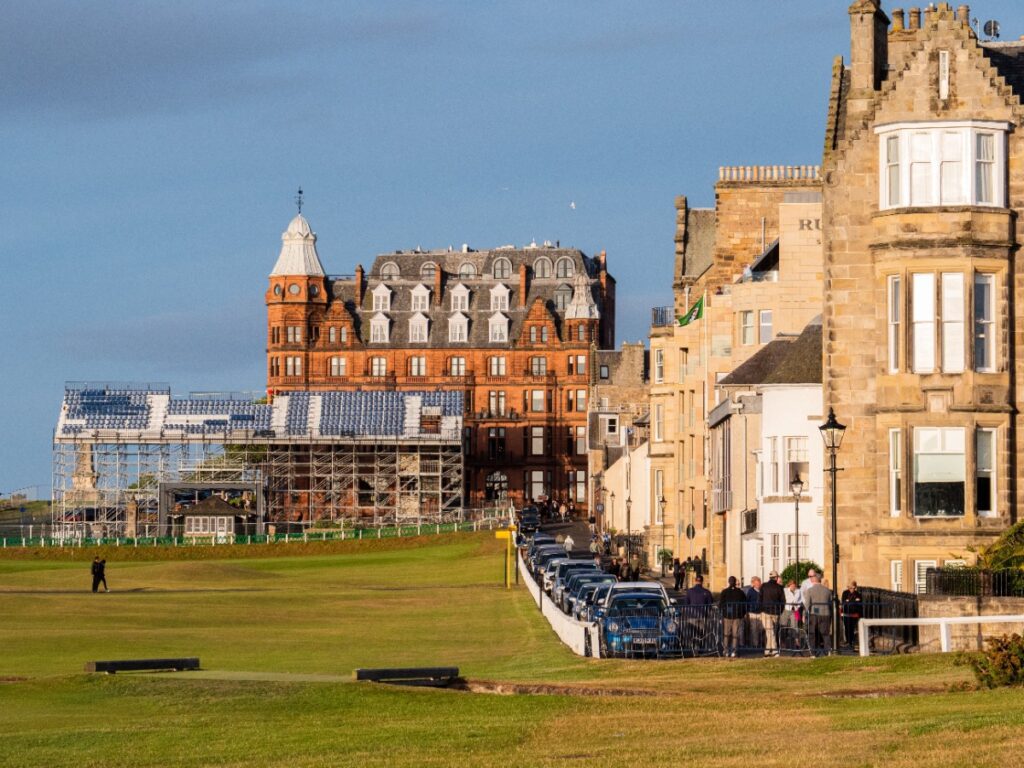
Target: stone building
x: 515, y: 329
x: 755, y: 263
x: 923, y: 193
x: 618, y: 412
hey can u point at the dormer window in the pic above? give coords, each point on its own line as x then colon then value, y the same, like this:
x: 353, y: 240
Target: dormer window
x: 542, y: 267
x: 499, y: 298
x: 947, y: 163
x: 390, y: 271
x: 418, y: 328
x: 460, y: 298
x: 380, y: 328
x: 467, y: 271
x: 502, y: 269
x: 458, y: 328
x: 420, y: 298
x: 381, y: 298
x: 563, y: 295
x: 564, y: 268
x: 497, y: 328
x: 428, y: 271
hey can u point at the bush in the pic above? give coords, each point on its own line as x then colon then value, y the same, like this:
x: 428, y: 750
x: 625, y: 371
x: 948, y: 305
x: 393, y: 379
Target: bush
x: 798, y: 571
x: 665, y: 556
x: 999, y: 665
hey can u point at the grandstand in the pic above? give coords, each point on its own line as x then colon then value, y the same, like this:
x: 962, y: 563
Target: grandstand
x: 313, y: 456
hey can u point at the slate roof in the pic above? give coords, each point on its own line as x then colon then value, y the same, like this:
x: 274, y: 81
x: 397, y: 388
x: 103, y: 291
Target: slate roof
x: 1008, y: 59
x: 479, y: 312
x: 786, y: 360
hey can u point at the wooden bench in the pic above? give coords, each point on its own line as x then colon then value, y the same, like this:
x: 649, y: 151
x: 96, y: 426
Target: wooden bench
x: 140, y: 665
x: 433, y: 677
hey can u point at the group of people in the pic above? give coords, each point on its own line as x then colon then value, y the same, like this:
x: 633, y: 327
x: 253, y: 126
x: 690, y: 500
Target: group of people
x: 681, y: 570
x: 552, y: 509
x: 625, y: 569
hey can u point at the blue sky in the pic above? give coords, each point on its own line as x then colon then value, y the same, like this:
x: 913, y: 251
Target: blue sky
x: 151, y: 152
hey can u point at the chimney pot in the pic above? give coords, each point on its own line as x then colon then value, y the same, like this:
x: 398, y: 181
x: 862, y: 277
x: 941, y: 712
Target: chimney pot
x: 963, y: 14
x: 915, y: 19
x: 897, y: 19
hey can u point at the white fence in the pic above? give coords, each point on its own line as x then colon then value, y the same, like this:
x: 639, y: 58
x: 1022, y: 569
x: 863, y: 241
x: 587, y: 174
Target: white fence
x: 945, y: 625
x: 581, y: 636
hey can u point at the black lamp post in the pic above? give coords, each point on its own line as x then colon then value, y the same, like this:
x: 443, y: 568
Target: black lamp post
x: 611, y: 516
x: 832, y: 433
x: 661, y: 503
x: 629, y: 528
x: 797, y: 487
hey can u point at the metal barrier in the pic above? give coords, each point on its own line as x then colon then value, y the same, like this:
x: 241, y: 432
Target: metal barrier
x: 974, y: 582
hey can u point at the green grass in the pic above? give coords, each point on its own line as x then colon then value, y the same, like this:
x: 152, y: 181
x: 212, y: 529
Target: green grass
x: 279, y: 637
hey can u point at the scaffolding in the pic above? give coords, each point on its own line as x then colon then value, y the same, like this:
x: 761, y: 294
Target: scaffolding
x: 104, y: 488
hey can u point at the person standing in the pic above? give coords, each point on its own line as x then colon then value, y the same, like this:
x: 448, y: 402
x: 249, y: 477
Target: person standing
x: 818, y: 604
x: 568, y: 543
x: 677, y: 571
x: 790, y: 620
x: 99, y: 574
x: 563, y: 511
x: 753, y: 621
x: 697, y: 595
x: 853, y: 609
x: 733, y: 602
x: 773, y: 600
x: 806, y: 583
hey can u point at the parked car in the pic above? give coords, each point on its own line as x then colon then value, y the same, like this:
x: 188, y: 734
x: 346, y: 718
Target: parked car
x: 529, y: 521
x: 567, y: 571
x: 592, y: 607
x: 539, y: 559
x: 638, y: 624
x: 574, y: 589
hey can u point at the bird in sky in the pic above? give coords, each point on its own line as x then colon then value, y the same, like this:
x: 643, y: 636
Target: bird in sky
x: 572, y: 205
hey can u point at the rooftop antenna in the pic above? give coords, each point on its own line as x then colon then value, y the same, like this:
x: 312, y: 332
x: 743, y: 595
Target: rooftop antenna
x: 298, y: 200
x: 991, y: 29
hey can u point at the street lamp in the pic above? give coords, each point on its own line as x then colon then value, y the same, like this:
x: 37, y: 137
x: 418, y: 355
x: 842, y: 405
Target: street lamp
x: 832, y: 433
x: 797, y: 487
x: 629, y: 528
x: 661, y: 503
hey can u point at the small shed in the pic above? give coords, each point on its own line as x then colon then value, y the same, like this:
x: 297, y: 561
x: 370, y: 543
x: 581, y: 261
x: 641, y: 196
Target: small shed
x: 212, y: 518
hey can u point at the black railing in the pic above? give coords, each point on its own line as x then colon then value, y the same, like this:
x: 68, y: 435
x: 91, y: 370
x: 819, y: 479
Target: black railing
x: 974, y: 582
x: 886, y: 604
x: 662, y: 316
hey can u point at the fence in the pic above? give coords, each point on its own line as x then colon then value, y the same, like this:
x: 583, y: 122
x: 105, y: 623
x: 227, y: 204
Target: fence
x: 886, y: 604
x: 974, y: 582
x: 311, y: 535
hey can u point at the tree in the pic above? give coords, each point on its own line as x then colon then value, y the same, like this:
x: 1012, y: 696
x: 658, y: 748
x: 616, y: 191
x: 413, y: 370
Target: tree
x: 798, y: 571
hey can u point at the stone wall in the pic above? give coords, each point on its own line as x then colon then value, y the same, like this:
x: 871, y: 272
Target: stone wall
x: 967, y: 637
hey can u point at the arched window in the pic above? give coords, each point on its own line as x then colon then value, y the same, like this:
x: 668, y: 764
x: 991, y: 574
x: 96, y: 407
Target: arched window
x: 502, y: 269
x: 390, y: 271
x: 542, y: 267
x: 563, y: 295
x: 467, y: 270
x: 428, y: 271
x: 564, y: 268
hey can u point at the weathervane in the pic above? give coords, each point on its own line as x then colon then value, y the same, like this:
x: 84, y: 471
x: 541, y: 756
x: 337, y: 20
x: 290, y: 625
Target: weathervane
x: 298, y: 200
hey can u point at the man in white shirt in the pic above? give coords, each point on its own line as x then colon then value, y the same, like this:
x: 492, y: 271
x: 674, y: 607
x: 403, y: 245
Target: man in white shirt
x: 790, y: 619
x: 811, y: 573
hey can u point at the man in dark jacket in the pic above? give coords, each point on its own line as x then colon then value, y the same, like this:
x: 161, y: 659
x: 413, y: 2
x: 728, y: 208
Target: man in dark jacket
x: 99, y: 574
x: 853, y: 607
x: 678, y: 571
x: 753, y: 621
x: 773, y: 601
x: 733, y: 602
x: 697, y: 595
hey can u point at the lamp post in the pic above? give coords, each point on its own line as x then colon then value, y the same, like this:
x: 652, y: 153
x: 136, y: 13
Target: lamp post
x: 661, y: 503
x: 629, y: 528
x: 797, y: 487
x: 832, y: 433
x: 611, y: 516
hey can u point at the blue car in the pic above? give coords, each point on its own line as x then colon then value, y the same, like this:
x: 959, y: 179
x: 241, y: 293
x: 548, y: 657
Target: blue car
x: 639, y: 625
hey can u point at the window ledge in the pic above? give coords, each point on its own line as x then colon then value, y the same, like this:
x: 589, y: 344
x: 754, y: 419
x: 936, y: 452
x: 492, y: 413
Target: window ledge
x: 912, y: 209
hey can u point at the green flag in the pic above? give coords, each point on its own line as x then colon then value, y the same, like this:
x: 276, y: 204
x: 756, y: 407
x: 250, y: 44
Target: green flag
x: 696, y: 313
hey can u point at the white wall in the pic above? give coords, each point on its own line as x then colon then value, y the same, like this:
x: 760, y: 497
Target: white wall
x: 789, y: 411
x: 628, y: 478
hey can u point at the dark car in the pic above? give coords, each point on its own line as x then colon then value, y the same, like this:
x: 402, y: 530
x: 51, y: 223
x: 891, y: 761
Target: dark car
x: 529, y: 521
x: 639, y: 624
x: 576, y: 587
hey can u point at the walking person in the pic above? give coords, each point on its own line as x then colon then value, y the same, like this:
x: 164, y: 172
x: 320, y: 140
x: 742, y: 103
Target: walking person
x: 99, y: 574
x: 678, y: 571
x: 563, y: 511
x: 568, y: 543
x: 818, y: 604
x: 853, y: 609
x: 733, y: 602
x: 773, y: 600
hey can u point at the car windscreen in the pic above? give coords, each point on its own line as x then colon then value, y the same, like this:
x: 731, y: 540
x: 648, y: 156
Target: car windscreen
x: 631, y: 603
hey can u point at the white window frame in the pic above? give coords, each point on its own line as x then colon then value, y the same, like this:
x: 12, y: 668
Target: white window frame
x: 984, y: 323
x: 922, y: 320
x: 390, y: 271
x: 380, y: 329
x: 564, y: 268
x: 419, y: 329
x: 659, y: 422
x: 896, y: 575
x: 418, y: 365
x: 542, y: 268
x: 895, y: 472
x: 496, y: 366
x: 659, y: 366
x: 942, y: 438
x: 747, y: 327
x: 502, y: 269
x: 458, y: 328
x: 420, y: 298
x: 497, y: 328
x: 537, y: 441
x: 460, y: 298
x: 457, y: 366
x: 921, y: 574
x: 381, y: 298
x: 499, y: 298
x: 953, y: 301
x: 378, y: 366
x: 537, y: 401
x: 339, y: 366
x: 894, y: 300
x: 990, y: 434
x: 797, y: 452
x: 764, y: 326
x: 927, y: 137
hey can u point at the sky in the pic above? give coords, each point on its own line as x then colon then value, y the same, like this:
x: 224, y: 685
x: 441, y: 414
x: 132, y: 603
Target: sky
x: 150, y: 154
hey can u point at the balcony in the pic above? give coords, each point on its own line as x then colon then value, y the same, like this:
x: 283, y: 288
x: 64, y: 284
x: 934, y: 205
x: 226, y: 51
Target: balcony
x: 663, y: 317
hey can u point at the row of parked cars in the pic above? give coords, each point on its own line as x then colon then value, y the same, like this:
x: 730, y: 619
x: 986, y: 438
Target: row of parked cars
x: 634, y: 618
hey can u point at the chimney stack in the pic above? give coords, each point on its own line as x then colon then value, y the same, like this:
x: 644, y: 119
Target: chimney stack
x: 915, y: 19
x: 963, y: 14
x: 438, y: 286
x: 869, y: 29
x: 360, y: 285
x: 897, y: 19
x: 523, y: 284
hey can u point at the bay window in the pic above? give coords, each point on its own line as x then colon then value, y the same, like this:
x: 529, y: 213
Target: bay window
x: 923, y: 322
x: 939, y: 471
x: 984, y: 323
x: 942, y: 163
x: 953, y: 322
x: 985, y: 472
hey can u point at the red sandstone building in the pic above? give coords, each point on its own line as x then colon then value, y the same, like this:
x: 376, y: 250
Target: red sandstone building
x: 515, y: 329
